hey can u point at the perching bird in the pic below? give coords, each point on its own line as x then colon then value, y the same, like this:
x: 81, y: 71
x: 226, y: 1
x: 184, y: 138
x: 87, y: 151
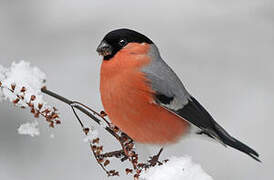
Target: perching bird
x: 144, y: 97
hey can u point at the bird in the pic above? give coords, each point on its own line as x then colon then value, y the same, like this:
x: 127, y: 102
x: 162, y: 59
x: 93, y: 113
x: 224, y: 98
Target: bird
x: 145, y: 99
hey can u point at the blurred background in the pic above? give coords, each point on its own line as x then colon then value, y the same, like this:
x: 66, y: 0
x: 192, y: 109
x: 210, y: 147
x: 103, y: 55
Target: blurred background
x: 222, y: 50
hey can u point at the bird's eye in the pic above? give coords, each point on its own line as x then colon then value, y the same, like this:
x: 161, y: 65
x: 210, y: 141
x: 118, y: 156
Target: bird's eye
x: 123, y: 42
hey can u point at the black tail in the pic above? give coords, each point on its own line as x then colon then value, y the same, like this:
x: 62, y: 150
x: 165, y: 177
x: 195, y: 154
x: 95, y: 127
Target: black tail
x: 232, y: 142
x: 197, y: 115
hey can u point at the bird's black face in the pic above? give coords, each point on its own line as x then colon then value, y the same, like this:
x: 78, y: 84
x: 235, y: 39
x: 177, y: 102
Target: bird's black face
x: 118, y: 39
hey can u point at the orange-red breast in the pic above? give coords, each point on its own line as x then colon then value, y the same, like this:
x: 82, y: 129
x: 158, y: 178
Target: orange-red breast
x: 145, y: 98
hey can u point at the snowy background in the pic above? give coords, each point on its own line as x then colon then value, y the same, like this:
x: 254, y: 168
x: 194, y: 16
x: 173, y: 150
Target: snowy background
x: 222, y: 50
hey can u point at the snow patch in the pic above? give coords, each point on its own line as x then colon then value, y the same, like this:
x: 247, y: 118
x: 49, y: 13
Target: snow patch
x: 23, y: 75
x: 177, y: 168
x: 21, y: 84
x: 29, y: 129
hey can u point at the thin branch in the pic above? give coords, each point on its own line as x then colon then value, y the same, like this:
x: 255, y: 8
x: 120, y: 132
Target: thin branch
x: 78, y: 118
x: 96, y: 157
x: 76, y: 103
x: 155, y: 159
x: 117, y: 154
x: 69, y: 102
x: 80, y: 108
x: 96, y: 152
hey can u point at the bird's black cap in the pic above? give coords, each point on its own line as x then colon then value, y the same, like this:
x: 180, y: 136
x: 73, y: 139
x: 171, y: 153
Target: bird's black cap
x: 117, y: 39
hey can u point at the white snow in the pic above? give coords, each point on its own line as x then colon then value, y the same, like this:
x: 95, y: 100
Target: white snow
x: 29, y: 129
x: 23, y: 75
x: 31, y: 79
x: 177, y: 168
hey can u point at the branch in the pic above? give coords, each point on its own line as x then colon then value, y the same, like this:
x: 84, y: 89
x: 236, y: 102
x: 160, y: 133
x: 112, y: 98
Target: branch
x: 127, y: 144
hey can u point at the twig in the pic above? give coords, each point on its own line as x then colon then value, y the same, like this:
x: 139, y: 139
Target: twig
x: 155, y: 159
x: 76, y: 115
x: 80, y: 108
x: 94, y: 148
x: 69, y: 102
x: 76, y: 103
x: 117, y: 154
x: 102, y: 166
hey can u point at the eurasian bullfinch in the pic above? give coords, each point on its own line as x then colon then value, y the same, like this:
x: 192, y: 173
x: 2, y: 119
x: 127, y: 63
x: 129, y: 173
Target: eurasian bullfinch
x: 144, y: 97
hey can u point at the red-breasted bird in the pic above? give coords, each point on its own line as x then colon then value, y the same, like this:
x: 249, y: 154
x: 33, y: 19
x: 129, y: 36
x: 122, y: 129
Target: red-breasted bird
x: 144, y: 97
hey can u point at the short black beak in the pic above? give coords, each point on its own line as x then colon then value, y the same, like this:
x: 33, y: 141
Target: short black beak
x: 104, y: 49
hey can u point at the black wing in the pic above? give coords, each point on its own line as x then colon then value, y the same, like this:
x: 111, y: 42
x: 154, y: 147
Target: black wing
x: 197, y: 115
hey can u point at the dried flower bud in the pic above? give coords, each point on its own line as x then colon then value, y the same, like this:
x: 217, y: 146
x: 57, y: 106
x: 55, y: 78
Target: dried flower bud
x: 54, y: 116
x: 128, y: 170
x: 23, y: 89
x: 136, y: 176
x: 16, y: 101
x: 32, y: 110
x: 93, y: 147
x: 103, y: 114
x: 57, y: 121
x: 12, y: 87
x: 51, y: 124
x: 97, y: 153
x: 36, y: 115
x: 86, y: 130
x: 100, y: 148
x: 40, y: 106
x: 138, y: 171
x: 106, y: 162
x: 116, y: 129
x: 113, y: 173
x: 33, y: 97
x: 95, y: 141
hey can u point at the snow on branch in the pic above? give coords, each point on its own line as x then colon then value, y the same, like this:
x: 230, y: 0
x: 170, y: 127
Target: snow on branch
x: 181, y: 168
x: 21, y: 84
